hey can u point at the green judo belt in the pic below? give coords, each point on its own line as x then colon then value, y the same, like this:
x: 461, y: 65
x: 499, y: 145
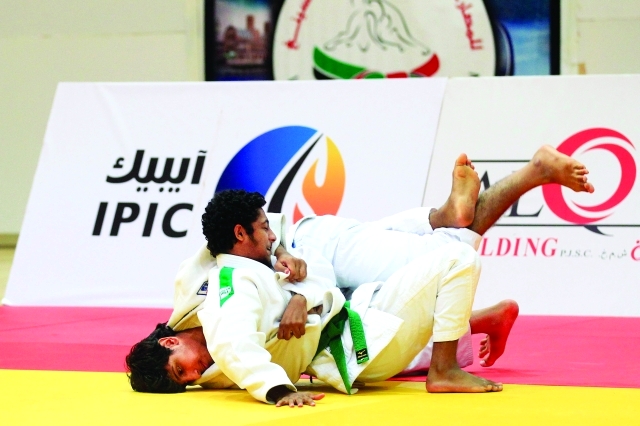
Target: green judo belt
x: 331, y: 338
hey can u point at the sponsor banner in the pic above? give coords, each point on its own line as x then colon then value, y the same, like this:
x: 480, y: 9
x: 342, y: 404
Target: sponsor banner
x: 555, y: 251
x: 127, y: 169
x: 356, y: 39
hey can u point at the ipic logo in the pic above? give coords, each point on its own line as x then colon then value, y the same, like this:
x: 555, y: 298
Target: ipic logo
x: 605, y: 144
x: 168, y: 184
x: 280, y: 164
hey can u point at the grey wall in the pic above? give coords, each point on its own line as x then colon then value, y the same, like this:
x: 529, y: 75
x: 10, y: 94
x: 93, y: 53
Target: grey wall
x: 43, y: 42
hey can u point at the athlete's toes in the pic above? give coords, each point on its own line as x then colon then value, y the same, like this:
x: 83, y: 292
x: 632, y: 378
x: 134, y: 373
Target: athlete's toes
x: 496, y: 387
x: 484, y: 350
x: 462, y: 160
x: 588, y: 187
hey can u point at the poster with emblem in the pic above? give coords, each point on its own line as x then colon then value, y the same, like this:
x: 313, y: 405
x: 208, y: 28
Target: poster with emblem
x: 355, y: 39
x: 555, y: 251
x: 127, y: 169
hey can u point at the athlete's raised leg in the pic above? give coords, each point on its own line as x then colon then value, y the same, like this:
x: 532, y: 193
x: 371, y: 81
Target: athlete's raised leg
x: 548, y: 166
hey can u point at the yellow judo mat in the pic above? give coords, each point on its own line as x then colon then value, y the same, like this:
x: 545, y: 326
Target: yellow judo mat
x: 77, y: 398
x: 30, y: 397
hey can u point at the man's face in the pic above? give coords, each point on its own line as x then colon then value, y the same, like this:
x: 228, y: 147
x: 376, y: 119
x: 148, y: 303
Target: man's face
x: 259, y: 244
x: 188, y: 359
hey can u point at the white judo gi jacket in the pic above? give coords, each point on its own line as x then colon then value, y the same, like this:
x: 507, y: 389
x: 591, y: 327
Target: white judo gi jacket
x: 240, y: 315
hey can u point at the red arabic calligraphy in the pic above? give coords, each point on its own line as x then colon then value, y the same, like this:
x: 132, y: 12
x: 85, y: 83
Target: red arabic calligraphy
x: 293, y: 43
x: 474, y: 43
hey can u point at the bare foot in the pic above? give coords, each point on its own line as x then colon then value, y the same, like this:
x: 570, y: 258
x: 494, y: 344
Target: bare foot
x: 552, y: 166
x: 459, y: 209
x: 459, y: 381
x: 496, y: 322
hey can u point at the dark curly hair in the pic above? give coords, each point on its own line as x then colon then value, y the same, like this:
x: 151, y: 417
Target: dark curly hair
x: 147, y: 361
x: 226, y: 210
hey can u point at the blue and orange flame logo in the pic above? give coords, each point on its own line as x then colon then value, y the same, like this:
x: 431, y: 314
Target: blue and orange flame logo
x: 260, y: 166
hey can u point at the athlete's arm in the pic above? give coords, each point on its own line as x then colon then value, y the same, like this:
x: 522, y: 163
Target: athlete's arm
x: 233, y: 337
x: 294, y: 318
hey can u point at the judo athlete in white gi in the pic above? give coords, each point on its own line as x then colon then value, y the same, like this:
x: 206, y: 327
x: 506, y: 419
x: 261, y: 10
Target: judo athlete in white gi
x: 386, y: 325
x: 371, y: 300
x: 368, y: 252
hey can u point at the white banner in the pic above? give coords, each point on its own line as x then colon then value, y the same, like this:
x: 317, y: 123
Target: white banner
x: 338, y: 39
x: 555, y: 252
x: 127, y: 169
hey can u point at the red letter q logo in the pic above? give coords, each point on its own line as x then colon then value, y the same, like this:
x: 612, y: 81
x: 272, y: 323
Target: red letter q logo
x: 553, y: 193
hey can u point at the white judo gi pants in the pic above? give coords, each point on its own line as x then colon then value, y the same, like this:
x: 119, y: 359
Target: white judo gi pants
x: 374, y: 251
x: 433, y: 295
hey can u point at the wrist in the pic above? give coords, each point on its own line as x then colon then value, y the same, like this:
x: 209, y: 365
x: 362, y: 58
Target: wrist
x: 278, y: 392
x: 298, y: 298
x: 279, y: 251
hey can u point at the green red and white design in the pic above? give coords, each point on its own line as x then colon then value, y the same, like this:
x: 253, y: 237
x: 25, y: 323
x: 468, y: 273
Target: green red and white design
x: 365, y: 39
